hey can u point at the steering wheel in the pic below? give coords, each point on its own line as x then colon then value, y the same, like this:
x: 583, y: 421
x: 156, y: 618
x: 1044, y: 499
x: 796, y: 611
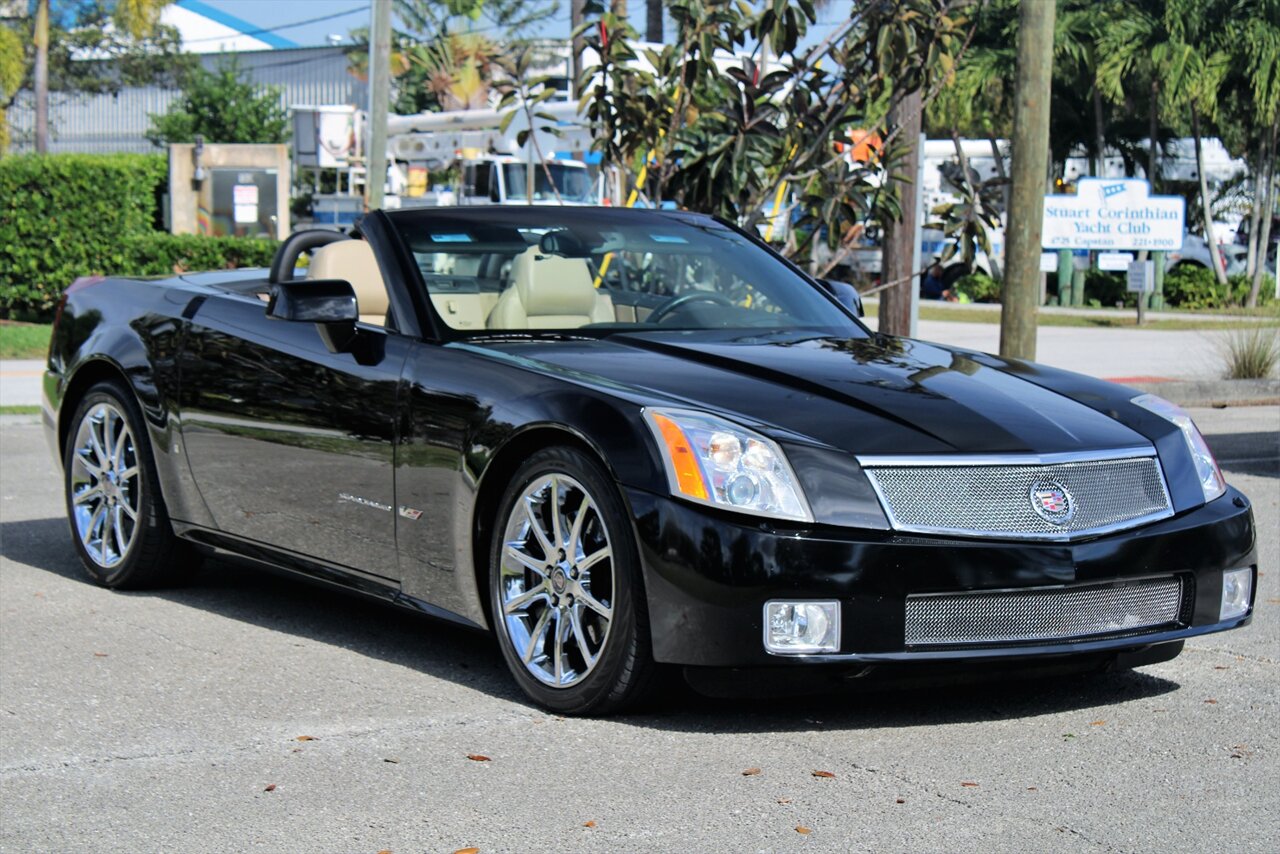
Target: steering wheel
x: 672, y: 305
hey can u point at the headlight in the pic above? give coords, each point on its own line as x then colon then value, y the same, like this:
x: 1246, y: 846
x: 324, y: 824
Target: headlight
x: 1206, y: 466
x: 714, y: 461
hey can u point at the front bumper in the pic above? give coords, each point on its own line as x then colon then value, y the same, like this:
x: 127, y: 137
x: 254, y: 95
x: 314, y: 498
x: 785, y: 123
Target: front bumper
x: 708, y: 575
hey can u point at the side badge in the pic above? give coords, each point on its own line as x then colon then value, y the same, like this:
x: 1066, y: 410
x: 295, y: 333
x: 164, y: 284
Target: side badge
x: 410, y: 513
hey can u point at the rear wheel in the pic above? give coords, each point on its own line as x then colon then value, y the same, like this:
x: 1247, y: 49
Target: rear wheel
x: 119, y: 525
x: 566, y: 589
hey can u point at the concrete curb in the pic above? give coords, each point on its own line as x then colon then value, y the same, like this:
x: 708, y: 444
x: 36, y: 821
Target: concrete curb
x: 1217, y: 393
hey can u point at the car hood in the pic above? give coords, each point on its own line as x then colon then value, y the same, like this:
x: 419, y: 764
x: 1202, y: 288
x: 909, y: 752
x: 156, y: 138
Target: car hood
x: 874, y: 395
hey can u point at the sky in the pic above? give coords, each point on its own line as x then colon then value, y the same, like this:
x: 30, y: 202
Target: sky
x: 352, y: 14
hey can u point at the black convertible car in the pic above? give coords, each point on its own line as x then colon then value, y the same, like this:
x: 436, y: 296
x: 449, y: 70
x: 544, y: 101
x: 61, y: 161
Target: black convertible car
x: 623, y: 439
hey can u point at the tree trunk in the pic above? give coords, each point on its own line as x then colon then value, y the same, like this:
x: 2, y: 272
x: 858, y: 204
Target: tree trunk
x: 575, y: 21
x: 1268, y: 194
x: 1255, y: 209
x: 1214, y: 255
x: 41, y: 75
x: 1021, y: 292
x: 1153, y: 130
x: 1001, y: 172
x: 653, y: 20
x: 1099, y: 134
x: 967, y: 249
x: 898, y: 255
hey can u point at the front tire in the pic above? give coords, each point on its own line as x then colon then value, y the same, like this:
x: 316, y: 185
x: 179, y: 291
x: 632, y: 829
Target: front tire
x: 566, y: 589
x: 119, y: 525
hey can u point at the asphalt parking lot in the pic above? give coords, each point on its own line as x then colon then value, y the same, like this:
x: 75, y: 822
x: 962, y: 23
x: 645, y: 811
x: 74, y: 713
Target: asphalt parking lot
x: 250, y: 712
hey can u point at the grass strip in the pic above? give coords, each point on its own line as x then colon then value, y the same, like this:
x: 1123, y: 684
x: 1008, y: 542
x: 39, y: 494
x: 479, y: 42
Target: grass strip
x: 24, y: 340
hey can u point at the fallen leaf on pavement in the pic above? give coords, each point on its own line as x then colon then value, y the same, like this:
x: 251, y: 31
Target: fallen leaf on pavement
x: 826, y: 774
x: 385, y: 851
x: 784, y: 800
x: 969, y: 785
x: 900, y: 801
x: 467, y: 851
x: 1032, y: 789
x: 800, y: 828
x: 588, y: 824
x: 1212, y: 702
x: 271, y: 787
x: 478, y: 757
x: 1097, y: 723
x: 751, y: 772
x: 1221, y: 667
x: 306, y: 738
x: 100, y: 655
x: 392, y: 761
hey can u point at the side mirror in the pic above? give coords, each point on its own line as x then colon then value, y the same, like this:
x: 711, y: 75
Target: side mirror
x: 846, y: 294
x: 328, y: 303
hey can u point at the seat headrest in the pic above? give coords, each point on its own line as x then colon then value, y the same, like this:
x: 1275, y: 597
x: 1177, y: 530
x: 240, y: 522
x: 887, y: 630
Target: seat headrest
x: 551, y: 285
x: 353, y: 261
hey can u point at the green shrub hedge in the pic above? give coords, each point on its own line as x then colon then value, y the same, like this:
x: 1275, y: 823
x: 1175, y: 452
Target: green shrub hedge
x: 63, y: 216
x: 161, y: 253
x: 1193, y: 286
x: 977, y: 287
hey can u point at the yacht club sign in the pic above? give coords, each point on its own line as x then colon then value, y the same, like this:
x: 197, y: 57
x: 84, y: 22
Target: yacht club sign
x: 1114, y: 214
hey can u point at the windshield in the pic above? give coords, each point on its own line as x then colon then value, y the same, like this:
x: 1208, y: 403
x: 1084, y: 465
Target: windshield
x: 572, y: 183
x: 604, y: 270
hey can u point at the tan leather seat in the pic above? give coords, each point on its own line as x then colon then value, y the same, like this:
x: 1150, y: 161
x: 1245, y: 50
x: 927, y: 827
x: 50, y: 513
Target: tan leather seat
x: 550, y: 292
x: 353, y: 261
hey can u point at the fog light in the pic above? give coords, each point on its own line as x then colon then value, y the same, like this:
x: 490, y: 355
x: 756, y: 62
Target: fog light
x: 1237, y: 592
x: 793, y: 628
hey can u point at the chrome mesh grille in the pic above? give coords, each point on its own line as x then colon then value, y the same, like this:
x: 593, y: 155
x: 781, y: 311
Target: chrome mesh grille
x: 995, y: 500
x: 1041, y: 614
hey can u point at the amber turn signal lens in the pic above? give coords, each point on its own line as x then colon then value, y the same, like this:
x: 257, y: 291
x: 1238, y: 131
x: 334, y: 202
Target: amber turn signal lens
x: 683, y: 460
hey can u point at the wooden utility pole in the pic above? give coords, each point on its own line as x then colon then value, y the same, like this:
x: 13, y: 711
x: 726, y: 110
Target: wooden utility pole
x: 41, y: 75
x: 653, y: 21
x: 1030, y: 163
x: 379, y: 101
x: 898, y: 250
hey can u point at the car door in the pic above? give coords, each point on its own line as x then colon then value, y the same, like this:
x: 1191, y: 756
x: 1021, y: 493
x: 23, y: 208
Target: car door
x: 291, y: 445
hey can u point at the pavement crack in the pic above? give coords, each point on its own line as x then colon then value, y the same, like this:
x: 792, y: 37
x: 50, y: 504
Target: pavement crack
x: 1220, y: 650
x: 154, y: 631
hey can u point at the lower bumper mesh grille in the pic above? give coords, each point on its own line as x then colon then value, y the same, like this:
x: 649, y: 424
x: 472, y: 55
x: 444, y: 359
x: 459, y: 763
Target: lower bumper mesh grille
x: 1042, y: 614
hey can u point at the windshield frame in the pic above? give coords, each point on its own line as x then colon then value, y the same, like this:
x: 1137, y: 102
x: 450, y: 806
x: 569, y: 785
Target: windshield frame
x: 438, y: 330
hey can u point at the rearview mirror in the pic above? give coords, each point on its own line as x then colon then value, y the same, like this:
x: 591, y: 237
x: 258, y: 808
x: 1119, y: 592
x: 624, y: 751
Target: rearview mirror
x: 328, y: 303
x: 846, y: 294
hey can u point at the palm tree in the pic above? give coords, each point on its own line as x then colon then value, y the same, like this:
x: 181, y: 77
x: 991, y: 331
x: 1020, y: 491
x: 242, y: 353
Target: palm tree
x: 138, y: 18
x: 1169, y: 47
x: 1253, y: 36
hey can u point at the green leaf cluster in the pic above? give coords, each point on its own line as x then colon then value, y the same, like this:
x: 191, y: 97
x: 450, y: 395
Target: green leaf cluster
x: 1194, y: 287
x: 729, y: 137
x: 222, y: 106
x: 63, y: 216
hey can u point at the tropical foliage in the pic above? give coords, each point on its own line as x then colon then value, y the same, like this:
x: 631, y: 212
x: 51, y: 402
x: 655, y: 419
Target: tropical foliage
x: 732, y: 137
x: 222, y: 106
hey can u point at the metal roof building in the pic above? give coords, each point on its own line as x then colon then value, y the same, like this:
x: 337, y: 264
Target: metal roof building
x: 104, y: 123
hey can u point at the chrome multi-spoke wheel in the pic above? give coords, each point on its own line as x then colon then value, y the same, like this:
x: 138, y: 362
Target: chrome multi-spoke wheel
x: 118, y: 519
x: 566, y: 588
x: 105, y: 485
x: 556, y: 577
